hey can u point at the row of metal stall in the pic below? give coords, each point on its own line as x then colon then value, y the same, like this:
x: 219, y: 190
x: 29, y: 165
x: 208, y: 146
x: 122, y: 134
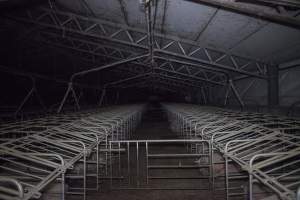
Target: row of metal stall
x: 69, y: 149
x: 252, y: 155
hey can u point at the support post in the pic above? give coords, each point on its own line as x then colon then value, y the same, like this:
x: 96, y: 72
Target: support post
x: 64, y: 98
x: 203, y: 96
x: 236, y: 94
x: 27, y: 97
x: 273, y: 86
x: 75, y: 98
x: 39, y: 98
x: 102, y: 96
x: 24, y: 101
x: 117, y: 97
x: 227, y: 94
x: 70, y: 89
x: 70, y: 86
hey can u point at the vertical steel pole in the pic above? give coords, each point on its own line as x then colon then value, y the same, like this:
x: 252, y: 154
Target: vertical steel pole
x: 212, y: 165
x: 203, y: 95
x: 119, y: 159
x: 24, y: 101
x: 137, y: 164
x: 227, y: 95
x: 84, y: 174
x: 102, y: 96
x: 75, y: 98
x: 236, y: 94
x: 117, y: 97
x: 40, y: 99
x: 110, y: 165
x: 106, y: 155
x: 226, y: 177
x: 128, y: 162
x: 147, y: 163
x: 250, y: 192
x: 63, y: 186
x: 64, y: 98
x: 97, y: 165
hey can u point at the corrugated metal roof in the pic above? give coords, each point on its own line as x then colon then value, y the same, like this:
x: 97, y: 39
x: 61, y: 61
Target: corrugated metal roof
x: 208, y: 26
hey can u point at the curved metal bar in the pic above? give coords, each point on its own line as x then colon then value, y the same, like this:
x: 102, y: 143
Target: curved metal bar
x: 16, y: 183
x: 242, y: 136
x: 87, y: 129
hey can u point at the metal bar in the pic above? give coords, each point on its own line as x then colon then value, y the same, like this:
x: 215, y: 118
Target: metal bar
x: 102, y: 96
x: 107, y: 66
x: 135, y: 44
x: 243, y: 9
x: 236, y: 94
x: 242, y: 137
x: 70, y: 85
x: 29, y: 94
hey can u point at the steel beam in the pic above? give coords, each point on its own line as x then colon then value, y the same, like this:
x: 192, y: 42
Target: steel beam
x: 179, y: 80
x: 87, y: 47
x: 157, y: 78
x: 191, y: 76
x: 71, y: 90
x: 194, y: 75
x: 252, y: 12
x: 189, y: 65
x: 125, y: 80
x: 95, y: 28
x: 187, y: 70
x: 96, y: 69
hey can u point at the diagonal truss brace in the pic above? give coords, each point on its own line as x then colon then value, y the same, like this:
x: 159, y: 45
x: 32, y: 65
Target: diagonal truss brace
x: 96, y: 69
x: 32, y: 91
x: 191, y: 70
x: 136, y: 38
x: 232, y: 87
x: 187, y: 69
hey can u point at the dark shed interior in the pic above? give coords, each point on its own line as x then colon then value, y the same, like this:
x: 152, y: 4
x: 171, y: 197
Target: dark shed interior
x: 149, y: 99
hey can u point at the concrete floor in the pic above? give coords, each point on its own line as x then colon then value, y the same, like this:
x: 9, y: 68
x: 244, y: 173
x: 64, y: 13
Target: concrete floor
x: 154, y: 126
x: 152, y: 195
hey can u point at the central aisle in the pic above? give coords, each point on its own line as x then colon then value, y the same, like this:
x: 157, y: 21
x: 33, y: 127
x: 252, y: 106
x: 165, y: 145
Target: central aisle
x: 154, y: 126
